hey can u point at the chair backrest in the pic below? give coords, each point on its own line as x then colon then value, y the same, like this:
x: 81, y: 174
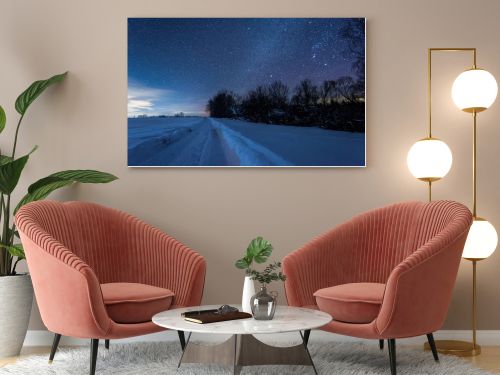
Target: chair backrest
x: 418, y: 291
x: 368, y: 247
x: 388, y: 235
x: 94, y: 233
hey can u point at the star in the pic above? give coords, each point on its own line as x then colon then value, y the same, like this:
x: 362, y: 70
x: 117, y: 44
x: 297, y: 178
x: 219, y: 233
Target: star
x: 194, y: 58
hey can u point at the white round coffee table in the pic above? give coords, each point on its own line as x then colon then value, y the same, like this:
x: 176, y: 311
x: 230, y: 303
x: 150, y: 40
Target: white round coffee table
x: 242, y: 348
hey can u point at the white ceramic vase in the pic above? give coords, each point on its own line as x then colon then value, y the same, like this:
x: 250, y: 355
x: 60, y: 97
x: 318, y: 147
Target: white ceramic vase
x: 16, y: 298
x: 248, y: 292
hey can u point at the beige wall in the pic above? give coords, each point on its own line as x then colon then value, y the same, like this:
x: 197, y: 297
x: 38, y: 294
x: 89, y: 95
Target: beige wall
x: 82, y: 124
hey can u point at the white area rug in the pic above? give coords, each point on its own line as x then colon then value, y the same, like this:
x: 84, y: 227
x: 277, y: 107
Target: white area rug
x: 162, y: 358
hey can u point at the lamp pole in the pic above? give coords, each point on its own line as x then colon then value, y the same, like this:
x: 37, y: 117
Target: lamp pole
x: 455, y: 347
x: 475, y: 347
x: 429, y: 96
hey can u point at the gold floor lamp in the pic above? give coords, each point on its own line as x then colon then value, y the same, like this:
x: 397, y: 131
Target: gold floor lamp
x: 430, y: 159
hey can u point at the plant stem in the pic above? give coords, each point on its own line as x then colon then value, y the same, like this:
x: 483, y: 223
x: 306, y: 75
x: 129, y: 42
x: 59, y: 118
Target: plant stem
x: 3, y: 252
x: 6, y: 235
x: 15, y: 137
x: 3, y: 255
x: 13, y: 271
x: 12, y: 234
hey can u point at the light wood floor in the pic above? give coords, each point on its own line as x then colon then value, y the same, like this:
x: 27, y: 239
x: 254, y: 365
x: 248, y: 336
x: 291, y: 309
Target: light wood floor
x: 488, y: 360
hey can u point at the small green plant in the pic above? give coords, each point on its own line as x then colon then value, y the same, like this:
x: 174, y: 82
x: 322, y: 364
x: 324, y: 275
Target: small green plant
x: 11, y: 169
x: 269, y: 274
x: 259, y: 250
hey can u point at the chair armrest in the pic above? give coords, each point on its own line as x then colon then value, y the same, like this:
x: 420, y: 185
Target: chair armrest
x: 323, y: 262
x: 165, y: 262
x: 67, y: 290
x: 419, y: 289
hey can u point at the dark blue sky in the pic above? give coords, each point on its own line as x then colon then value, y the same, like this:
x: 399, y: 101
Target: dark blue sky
x: 178, y: 64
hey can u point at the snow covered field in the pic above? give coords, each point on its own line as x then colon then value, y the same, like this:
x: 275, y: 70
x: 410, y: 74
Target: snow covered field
x: 203, y: 141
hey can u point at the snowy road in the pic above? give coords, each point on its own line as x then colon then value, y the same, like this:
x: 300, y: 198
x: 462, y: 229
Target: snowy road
x: 201, y: 141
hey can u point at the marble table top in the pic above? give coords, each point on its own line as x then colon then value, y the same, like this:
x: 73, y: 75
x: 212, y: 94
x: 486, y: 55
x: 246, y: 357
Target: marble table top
x: 286, y: 319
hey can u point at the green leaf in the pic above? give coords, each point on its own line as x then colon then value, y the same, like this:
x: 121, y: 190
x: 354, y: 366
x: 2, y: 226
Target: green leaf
x: 4, y: 159
x: 86, y: 176
x: 15, y: 250
x: 259, y: 250
x: 43, y: 187
x: 46, y: 181
x: 31, y: 93
x: 42, y: 193
x: 3, y: 119
x: 13, y: 233
x: 242, y: 263
x: 10, y: 172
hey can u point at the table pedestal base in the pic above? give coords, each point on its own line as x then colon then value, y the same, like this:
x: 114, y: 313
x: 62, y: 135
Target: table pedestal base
x: 246, y: 350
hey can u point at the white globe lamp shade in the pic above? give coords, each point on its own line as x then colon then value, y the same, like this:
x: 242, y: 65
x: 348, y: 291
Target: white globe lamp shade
x: 481, y: 241
x: 474, y: 90
x: 429, y: 159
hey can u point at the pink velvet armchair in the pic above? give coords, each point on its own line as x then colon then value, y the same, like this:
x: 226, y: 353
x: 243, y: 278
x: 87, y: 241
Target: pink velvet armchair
x: 385, y: 274
x: 99, y: 273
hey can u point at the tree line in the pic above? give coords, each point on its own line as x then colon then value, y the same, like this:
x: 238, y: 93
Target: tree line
x: 334, y: 104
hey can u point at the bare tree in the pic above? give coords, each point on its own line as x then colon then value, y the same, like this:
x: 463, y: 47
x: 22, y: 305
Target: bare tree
x: 278, y: 94
x: 346, y: 90
x: 326, y: 92
x: 306, y: 94
x: 353, y: 34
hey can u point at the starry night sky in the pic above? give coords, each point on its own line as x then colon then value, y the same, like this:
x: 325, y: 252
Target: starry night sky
x: 178, y: 64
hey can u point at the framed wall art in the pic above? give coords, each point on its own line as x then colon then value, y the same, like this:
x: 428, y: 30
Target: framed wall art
x: 254, y: 92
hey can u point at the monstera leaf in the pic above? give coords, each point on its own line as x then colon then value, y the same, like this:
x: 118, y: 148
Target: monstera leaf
x: 258, y: 250
x: 31, y: 93
x: 242, y: 263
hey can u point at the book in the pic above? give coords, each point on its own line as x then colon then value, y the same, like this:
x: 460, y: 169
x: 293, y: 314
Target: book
x: 204, y: 317
x: 197, y: 312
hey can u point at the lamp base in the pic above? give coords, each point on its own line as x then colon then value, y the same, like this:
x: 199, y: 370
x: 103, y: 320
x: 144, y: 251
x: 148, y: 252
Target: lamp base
x: 456, y: 348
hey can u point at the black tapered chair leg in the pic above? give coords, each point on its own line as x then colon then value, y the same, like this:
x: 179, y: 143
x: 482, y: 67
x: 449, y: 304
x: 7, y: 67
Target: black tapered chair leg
x: 307, y: 333
x: 392, y: 355
x: 55, y: 344
x: 432, y: 344
x: 106, y: 344
x: 182, y: 339
x: 94, y: 346
x: 381, y: 344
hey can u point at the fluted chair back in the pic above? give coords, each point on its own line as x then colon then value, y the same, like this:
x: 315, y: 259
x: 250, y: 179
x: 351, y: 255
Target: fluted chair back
x: 368, y: 247
x: 74, y: 247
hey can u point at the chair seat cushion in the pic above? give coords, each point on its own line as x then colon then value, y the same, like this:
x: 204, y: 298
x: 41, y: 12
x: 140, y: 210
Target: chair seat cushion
x: 351, y: 303
x: 135, y: 303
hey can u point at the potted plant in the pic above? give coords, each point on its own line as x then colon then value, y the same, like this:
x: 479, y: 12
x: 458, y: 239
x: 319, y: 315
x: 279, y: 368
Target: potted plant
x: 259, y: 250
x: 16, y: 291
x: 263, y: 304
